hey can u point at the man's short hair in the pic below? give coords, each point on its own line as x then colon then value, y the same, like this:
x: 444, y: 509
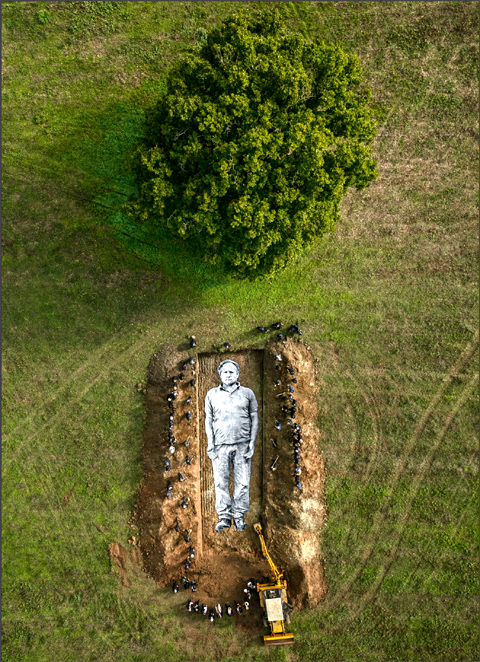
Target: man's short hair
x: 228, y: 361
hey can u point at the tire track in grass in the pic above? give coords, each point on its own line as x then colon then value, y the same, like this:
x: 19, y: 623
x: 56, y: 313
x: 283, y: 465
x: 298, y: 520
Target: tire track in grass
x: 370, y: 594
x: 376, y: 436
x: 466, y: 355
x: 59, y: 415
x: 374, y: 417
x: 459, y: 521
x: 409, y: 372
x: 55, y: 513
x: 105, y: 349
x: 403, y: 519
x: 435, y: 568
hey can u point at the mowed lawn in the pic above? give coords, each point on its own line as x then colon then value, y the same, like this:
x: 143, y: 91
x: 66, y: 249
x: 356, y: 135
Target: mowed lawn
x: 389, y: 305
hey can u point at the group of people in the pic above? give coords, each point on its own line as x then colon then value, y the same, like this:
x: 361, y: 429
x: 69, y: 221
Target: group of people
x: 192, y: 585
x: 294, y: 328
x: 289, y: 408
x: 218, y: 612
x: 172, y: 440
x: 188, y: 461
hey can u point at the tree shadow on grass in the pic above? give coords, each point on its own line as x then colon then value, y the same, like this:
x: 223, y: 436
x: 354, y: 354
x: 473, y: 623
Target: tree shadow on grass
x: 102, y: 154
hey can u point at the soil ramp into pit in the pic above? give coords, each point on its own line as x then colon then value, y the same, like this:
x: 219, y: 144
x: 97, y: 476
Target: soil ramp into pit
x: 292, y: 519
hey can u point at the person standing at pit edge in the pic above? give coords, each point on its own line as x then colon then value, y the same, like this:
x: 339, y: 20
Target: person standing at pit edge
x: 231, y: 424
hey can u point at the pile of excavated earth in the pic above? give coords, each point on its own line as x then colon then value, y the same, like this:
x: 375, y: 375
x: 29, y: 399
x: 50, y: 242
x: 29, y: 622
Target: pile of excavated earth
x: 175, y: 510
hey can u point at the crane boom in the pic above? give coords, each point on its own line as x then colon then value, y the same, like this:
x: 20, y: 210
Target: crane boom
x: 278, y: 576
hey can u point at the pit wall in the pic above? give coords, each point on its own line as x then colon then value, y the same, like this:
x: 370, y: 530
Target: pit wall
x: 164, y: 549
x: 293, y: 519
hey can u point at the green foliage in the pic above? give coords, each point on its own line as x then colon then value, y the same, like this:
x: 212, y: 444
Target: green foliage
x: 43, y: 16
x: 249, y: 153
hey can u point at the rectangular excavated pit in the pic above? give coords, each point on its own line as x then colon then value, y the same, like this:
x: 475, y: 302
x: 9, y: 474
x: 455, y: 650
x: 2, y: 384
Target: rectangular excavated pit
x: 292, y: 519
x: 251, y: 376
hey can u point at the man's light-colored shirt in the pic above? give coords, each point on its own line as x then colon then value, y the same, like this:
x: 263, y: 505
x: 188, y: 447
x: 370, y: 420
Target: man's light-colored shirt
x: 230, y: 412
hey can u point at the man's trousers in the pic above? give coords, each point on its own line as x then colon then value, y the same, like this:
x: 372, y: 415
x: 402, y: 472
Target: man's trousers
x: 229, y: 455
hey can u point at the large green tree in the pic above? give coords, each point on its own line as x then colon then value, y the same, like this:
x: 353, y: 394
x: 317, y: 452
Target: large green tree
x: 248, y: 154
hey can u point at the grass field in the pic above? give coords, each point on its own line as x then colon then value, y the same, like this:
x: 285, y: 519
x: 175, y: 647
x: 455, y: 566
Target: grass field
x: 389, y: 305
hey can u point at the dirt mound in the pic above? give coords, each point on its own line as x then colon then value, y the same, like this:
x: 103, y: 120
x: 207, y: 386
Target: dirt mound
x: 119, y: 557
x: 292, y: 518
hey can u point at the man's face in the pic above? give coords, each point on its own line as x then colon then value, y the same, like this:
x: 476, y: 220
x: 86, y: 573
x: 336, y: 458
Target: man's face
x: 228, y: 374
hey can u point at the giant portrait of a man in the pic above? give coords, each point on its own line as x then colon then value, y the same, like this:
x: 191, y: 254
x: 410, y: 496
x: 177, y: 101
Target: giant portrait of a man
x: 231, y: 425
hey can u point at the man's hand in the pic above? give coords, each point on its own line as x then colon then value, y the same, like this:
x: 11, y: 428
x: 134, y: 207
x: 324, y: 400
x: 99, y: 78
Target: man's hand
x: 211, y: 453
x: 250, y: 452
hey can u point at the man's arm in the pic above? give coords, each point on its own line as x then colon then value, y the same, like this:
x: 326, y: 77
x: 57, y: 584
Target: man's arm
x: 253, y: 434
x: 209, y: 428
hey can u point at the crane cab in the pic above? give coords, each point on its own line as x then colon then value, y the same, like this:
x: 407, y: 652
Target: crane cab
x: 273, y: 600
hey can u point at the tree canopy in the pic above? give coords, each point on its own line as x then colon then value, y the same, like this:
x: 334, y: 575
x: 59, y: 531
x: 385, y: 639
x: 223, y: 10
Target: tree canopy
x: 248, y: 154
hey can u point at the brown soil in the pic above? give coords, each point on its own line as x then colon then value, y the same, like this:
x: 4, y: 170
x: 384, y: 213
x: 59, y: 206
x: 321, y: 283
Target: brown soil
x: 292, y: 519
x: 119, y: 558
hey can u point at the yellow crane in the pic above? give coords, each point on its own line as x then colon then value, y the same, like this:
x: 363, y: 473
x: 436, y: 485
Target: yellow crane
x: 273, y: 599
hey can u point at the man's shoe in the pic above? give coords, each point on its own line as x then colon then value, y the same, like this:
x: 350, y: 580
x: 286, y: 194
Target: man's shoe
x: 223, y: 524
x: 240, y: 524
